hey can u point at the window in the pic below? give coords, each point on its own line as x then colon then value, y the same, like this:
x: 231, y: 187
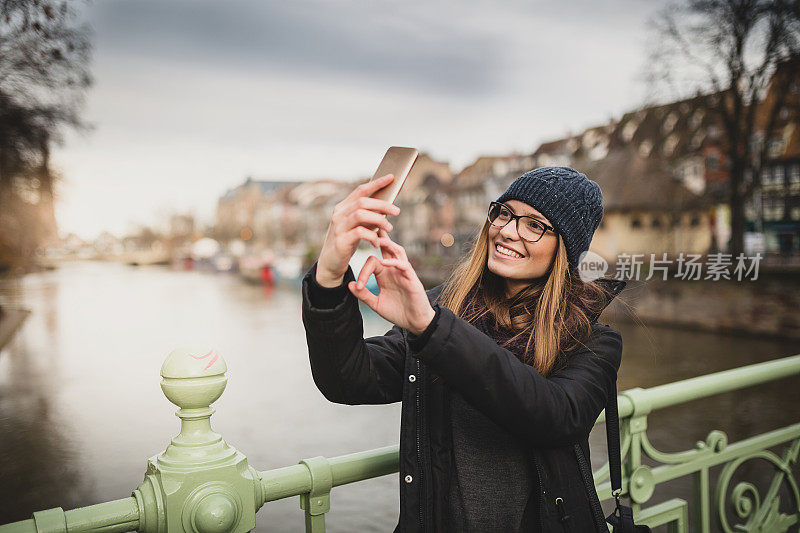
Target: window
x: 656, y: 222
x: 572, y: 144
x: 696, y: 119
x: 636, y: 223
x: 794, y: 179
x: 670, y: 144
x: 675, y: 220
x: 796, y: 213
x: 695, y: 221
x: 778, y: 176
x: 500, y: 168
x: 775, y: 147
x: 629, y: 130
x: 773, y: 209
x: 767, y: 213
x: 589, y: 139
x: 669, y: 122
x: 697, y: 140
x: 599, y: 151
x: 749, y: 209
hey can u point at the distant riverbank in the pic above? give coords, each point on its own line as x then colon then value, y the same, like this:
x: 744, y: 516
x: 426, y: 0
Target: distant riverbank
x: 768, y: 306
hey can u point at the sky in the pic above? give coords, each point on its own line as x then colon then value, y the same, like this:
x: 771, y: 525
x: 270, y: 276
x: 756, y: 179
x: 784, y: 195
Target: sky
x: 191, y: 97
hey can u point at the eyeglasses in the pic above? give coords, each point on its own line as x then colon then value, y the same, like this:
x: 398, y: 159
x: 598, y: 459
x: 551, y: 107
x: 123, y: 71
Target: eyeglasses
x: 530, y: 229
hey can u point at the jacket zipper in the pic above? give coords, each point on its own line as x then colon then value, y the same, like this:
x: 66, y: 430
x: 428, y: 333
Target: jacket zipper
x: 419, y: 453
x: 541, y: 496
x: 588, y: 480
x: 562, y: 514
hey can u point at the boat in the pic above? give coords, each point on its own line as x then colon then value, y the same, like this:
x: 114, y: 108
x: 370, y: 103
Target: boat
x: 258, y: 268
x: 288, y: 268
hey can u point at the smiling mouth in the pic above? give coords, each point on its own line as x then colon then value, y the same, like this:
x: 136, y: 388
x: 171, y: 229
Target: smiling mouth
x: 505, y: 252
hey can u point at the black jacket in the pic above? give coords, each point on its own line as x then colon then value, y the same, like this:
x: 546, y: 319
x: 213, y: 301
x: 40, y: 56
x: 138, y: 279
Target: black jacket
x: 554, y: 414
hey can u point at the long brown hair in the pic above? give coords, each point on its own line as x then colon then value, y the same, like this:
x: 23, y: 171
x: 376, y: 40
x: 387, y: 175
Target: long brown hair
x: 553, y: 312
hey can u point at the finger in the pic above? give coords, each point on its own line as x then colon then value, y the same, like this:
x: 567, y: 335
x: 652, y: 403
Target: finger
x: 367, y: 189
x: 369, y: 219
x: 397, y: 251
x: 370, y: 267
x: 360, y: 232
x: 365, y: 295
x: 386, y: 251
x: 393, y: 250
x: 375, y: 204
x: 404, y: 266
x: 393, y: 263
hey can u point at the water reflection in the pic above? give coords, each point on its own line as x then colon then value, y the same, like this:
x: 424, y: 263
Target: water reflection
x: 30, y: 424
x: 81, y: 408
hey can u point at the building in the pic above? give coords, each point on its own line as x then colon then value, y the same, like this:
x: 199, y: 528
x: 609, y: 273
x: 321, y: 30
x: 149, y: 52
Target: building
x: 663, y: 172
x: 236, y: 209
x: 774, y: 209
x: 427, y: 212
x: 313, y: 203
x: 478, y: 184
x: 779, y: 205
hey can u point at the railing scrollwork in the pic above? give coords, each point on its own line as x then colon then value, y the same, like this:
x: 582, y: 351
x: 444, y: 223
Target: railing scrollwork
x: 745, y: 500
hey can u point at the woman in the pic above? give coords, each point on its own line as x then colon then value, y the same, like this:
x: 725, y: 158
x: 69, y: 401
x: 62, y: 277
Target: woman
x: 502, y: 370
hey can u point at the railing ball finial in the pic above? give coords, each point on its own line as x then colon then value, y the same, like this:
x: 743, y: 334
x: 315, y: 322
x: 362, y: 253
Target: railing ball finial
x: 193, y: 378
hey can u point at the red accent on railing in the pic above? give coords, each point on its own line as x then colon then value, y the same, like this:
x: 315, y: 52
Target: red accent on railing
x: 213, y: 360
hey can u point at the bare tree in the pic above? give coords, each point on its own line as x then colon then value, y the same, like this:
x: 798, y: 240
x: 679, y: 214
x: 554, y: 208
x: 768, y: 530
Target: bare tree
x: 44, y: 58
x: 733, y: 51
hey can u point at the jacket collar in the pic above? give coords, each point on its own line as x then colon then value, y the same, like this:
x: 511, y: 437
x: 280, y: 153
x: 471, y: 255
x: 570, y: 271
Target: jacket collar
x: 614, y: 287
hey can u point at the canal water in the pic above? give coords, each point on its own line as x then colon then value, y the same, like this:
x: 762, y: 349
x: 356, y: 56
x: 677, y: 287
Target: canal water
x: 81, y: 409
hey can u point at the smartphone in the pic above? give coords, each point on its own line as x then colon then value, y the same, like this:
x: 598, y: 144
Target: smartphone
x: 398, y: 161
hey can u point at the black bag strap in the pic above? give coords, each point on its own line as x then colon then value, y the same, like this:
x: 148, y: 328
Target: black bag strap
x: 622, y: 516
x: 612, y: 435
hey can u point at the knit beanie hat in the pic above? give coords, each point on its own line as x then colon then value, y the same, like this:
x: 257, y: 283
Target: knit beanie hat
x: 572, y: 202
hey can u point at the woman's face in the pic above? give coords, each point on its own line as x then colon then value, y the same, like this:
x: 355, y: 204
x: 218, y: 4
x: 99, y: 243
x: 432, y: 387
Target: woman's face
x: 533, y: 259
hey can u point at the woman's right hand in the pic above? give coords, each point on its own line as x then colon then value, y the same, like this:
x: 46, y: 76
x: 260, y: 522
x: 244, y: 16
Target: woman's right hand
x: 353, y: 219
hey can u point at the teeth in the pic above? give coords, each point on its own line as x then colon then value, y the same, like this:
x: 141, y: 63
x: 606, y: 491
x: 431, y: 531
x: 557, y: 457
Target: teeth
x: 505, y: 251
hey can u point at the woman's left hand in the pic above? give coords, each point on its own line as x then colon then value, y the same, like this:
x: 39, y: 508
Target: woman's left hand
x: 402, y: 299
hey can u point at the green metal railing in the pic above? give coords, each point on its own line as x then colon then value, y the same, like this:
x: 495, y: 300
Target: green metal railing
x: 200, y: 484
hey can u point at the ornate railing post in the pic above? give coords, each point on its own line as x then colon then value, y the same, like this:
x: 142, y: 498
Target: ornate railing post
x: 199, y: 484
x: 640, y: 483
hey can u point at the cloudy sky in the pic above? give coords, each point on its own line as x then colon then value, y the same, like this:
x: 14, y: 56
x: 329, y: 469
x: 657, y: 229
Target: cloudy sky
x: 192, y: 96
